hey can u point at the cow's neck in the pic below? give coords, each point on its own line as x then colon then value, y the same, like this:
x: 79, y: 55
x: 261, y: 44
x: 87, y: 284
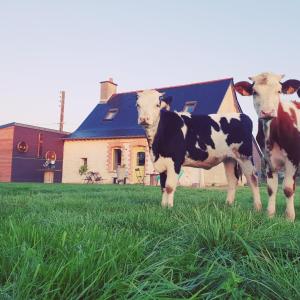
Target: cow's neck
x: 271, y: 128
x: 267, y: 123
x: 151, y: 132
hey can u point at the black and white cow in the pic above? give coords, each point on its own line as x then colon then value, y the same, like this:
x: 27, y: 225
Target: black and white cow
x: 178, y: 139
x: 278, y: 132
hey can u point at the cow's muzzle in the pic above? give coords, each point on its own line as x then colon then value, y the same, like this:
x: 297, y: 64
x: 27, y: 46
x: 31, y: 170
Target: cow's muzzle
x: 144, y: 121
x: 267, y: 115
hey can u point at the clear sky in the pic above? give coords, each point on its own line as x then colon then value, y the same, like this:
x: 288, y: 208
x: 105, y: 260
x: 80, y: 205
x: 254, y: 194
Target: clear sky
x: 47, y: 46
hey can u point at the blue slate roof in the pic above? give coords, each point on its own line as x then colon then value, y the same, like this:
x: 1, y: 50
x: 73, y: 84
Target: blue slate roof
x: 208, y: 95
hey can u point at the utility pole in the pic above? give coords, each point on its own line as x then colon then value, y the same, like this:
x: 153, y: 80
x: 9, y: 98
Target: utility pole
x: 62, y: 110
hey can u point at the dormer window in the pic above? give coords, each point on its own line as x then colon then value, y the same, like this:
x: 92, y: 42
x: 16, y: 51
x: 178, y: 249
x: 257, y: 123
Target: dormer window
x: 111, y: 114
x: 189, y: 106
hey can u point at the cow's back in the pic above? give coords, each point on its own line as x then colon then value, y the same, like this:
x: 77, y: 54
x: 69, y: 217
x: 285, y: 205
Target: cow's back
x: 217, y: 135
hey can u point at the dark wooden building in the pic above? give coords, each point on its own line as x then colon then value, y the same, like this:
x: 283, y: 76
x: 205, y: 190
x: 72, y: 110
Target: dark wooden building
x: 30, y: 153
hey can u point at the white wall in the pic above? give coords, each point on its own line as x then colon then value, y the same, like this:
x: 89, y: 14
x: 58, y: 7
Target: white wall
x: 96, y: 153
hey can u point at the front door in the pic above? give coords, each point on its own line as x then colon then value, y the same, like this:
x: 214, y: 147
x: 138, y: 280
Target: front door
x: 138, y: 164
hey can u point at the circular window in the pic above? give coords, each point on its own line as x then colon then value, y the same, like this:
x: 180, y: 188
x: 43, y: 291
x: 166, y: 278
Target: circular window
x: 50, y: 155
x: 22, y: 147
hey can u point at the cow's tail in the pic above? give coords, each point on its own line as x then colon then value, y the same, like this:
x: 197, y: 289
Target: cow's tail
x: 238, y: 171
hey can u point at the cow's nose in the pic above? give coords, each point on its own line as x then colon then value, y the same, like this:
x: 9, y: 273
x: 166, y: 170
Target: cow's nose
x: 267, y: 115
x: 144, y: 120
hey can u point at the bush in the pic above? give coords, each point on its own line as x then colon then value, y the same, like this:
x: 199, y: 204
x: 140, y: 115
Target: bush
x: 82, y: 170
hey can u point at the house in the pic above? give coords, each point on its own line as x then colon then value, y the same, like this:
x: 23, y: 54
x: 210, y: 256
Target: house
x: 110, y: 135
x: 30, y: 153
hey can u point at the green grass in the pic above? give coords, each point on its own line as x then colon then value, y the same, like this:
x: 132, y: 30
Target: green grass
x: 116, y: 242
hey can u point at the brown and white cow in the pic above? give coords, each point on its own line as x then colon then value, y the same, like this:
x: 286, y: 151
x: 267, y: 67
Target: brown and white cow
x: 278, y: 132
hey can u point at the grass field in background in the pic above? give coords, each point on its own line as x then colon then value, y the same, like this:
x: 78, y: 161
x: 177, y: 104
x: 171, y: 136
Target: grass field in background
x: 116, y: 242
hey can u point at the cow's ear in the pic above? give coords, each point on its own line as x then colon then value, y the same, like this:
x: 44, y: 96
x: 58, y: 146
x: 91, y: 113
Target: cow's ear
x: 165, y: 102
x: 290, y: 86
x: 244, y: 88
x: 167, y: 99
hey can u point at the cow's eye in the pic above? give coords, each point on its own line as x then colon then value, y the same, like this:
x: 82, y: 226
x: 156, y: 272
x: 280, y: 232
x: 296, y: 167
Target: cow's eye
x: 254, y: 93
x: 279, y: 92
x: 137, y: 105
x: 157, y: 105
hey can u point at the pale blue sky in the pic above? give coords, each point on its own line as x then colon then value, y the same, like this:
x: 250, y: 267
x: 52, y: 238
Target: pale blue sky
x: 47, y: 46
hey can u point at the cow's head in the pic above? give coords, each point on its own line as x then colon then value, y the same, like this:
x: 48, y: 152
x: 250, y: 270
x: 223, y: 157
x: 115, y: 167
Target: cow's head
x: 149, y: 104
x: 266, y: 89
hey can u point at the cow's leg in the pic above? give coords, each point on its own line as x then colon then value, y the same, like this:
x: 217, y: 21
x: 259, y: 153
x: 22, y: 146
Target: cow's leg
x: 272, y: 182
x: 163, y: 178
x: 289, y: 189
x: 171, y: 183
x: 252, y: 180
x: 229, y: 166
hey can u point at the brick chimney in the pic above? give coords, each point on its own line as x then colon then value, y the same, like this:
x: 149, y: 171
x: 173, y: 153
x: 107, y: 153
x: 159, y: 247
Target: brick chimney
x: 107, y: 89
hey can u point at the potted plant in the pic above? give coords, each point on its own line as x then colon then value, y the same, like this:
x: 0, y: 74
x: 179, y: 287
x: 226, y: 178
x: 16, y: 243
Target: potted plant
x: 82, y: 170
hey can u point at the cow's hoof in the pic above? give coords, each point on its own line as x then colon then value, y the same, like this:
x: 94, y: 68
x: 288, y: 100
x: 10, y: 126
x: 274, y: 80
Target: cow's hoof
x: 229, y: 203
x: 164, y: 205
x: 290, y: 216
x: 271, y: 214
x: 257, y: 207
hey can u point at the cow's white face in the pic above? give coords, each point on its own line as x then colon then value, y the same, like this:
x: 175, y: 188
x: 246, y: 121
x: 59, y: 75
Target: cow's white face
x: 266, y: 94
x: 266, y: 89
x: 148, y: 106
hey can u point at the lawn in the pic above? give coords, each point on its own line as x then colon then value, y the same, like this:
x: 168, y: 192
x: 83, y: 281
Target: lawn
x: 116, y: 242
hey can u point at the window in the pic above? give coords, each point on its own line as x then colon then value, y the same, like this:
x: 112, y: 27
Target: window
x: 84, y: 162
x: 140, y: 156
x: 189, y: 106
x: 40, y: 145
x: 111, y: 114
x: 22, y: 147
x: 117, y: 158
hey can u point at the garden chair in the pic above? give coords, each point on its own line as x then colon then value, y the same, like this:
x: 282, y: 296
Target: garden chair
x: 139, y: 176
x: 88, y: 178
x: 92, y: 177
x: 121, y: 175
x: 97, y: 177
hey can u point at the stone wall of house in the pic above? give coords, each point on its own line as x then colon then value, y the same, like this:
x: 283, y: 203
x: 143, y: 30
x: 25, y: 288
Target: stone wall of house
x: 95, y: 151
x: 99, y: 155
x: 229, y: 104
x: 99, y: 159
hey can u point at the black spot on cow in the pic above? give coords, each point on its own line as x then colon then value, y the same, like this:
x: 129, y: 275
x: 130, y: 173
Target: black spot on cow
x: 270, y: 191
x: 163, y: 179
x: 239, y: 131
x: 198, y: 137
x: 169, y: 139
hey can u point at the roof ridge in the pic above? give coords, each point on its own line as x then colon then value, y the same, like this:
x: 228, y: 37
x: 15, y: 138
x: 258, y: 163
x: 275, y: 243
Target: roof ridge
x: 33, y: 127
x: 179, y: 85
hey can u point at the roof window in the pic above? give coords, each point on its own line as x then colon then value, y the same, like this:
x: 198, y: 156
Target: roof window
x: 111, y: 114
x: 189, y: 106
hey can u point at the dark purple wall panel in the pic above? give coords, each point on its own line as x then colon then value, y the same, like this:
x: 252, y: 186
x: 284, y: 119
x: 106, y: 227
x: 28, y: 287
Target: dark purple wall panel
x: 31, y: 170
x: 28, y: 167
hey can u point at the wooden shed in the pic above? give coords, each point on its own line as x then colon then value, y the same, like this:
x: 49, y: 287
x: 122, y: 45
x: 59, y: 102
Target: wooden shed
x: 30, y: 153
